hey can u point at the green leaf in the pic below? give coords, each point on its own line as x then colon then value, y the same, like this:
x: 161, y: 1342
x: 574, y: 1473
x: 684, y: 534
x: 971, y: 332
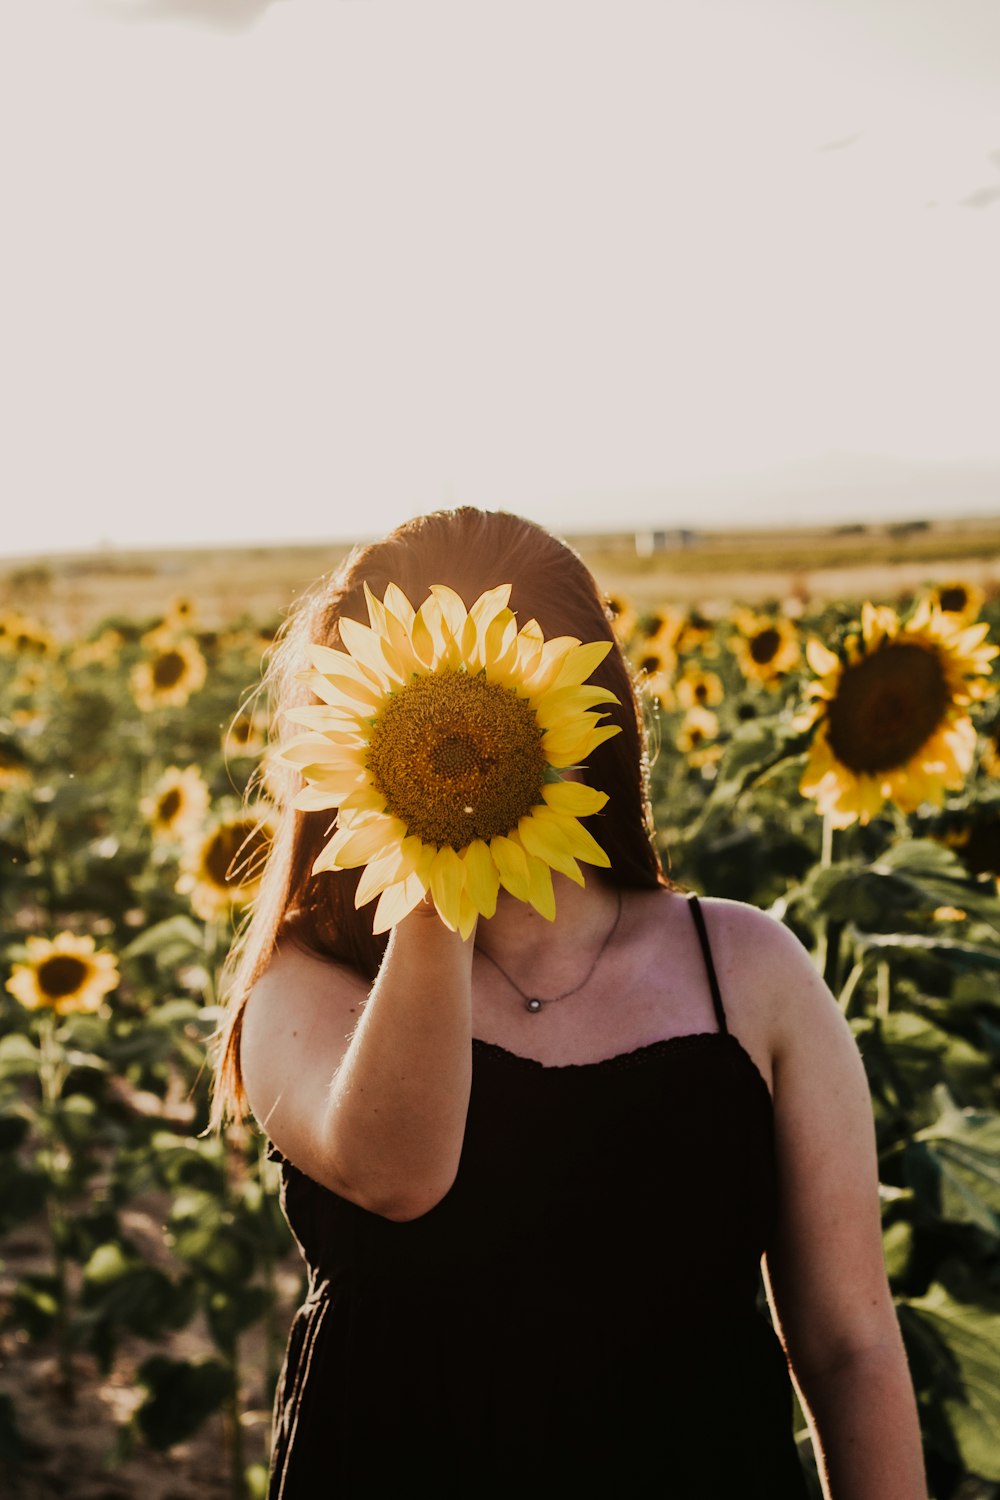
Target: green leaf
x: 19, y: 1058
x: 897, y: 1248
x: 755, y: 749
x: 960, y: 1155
x: 947, y: 950
x: 171, y: 942
x: 182, y: 1394
x: 960, y: 1344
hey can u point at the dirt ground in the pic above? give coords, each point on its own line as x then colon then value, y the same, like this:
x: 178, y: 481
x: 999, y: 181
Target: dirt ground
x: 70, y: 1446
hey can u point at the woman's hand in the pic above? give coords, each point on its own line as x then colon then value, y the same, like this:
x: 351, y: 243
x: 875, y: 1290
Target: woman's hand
x: 373, y: 1108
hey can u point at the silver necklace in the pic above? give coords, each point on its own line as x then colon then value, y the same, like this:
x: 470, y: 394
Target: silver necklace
x: 534, y: 1003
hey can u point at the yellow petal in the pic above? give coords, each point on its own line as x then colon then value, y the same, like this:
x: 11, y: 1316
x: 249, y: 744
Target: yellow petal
x: 378, y: 874
x: 371, y: 649
x: 822, y: 660
x: 468, y: 916
x: 365, y: 842
x: 565, y: 705
x: 569, y: 745
x: 547, y: 842
x: 512, y: 863
x: 327, y: 720
x: 376, y: 609
x: 574, y: 798
x: 490, y: 608
x: 311, y: 800
x: 396, y: 902
x: 582, y: 845
x: 482, y: 878
x: 541, y: 894
x: 580, y: 662
x: 453, y: 611
x: 397, y: 604
x: 447, y: 875
x: 365, y: 799
x: 424, y: 646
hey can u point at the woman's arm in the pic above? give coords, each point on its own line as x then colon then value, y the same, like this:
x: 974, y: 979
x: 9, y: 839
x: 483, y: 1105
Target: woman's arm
x: 375, y: 1111
x: 825, y: 1267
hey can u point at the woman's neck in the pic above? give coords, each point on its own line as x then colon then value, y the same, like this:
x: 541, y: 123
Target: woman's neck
x: 583, y: 920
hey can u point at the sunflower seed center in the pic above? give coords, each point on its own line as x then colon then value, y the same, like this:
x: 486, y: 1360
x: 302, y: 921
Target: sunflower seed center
x: 764, y: 646
x: 168, y: 669
x: 457, y: 758
x: 61, y: 975
x: 170, y: 805
x: 886, y: 706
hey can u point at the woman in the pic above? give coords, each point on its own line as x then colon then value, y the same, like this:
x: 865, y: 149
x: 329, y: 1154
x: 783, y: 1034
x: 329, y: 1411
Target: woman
x: 533, y: 1171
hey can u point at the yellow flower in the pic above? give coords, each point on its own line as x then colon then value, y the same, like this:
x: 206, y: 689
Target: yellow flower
x: 173, y: 670
x: 692, y: 632
x: 623, y: 616
x: 440, y: 739
x: 180, y: 613
x: 892, y: 718
x: 655, y: 664
x: 24, y: 637
x: 245, y: 735
x: 66, y: 975
x: 101, y: 652
x: 959, y: 599
x: 699, y: 728
x: 766, y: 646
x: 697, y: 689
x: 221, y: 871
x: 178, y: 804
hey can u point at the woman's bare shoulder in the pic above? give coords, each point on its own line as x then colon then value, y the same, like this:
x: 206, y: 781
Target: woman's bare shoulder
x: 297, y: 1025
x: 768, y: 973
x: 757, y: 943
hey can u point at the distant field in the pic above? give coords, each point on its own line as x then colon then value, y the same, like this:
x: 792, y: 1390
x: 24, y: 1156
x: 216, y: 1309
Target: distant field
x: 74, y: 592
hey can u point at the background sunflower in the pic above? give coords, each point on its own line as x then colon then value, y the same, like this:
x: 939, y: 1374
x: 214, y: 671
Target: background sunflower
x: 65, y: 975
x: 221, y: 871
x: 173, y: 669
x: 891, y: 712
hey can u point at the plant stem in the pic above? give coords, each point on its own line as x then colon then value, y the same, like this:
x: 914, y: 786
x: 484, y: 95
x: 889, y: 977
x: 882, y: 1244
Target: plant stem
x: 883, y: 994
x: 853, y: 980
x: 52, y: 1076
x: 826, y: 847
x: 825, y: 861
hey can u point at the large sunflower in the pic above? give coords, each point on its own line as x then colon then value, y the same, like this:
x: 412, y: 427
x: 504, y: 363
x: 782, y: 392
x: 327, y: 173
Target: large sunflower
x: 892, y: 714
x: 440, y: 740
x: 66, y: 975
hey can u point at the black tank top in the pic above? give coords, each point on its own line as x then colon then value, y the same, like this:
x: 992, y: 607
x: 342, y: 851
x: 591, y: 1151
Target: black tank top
x: 579, y: 1316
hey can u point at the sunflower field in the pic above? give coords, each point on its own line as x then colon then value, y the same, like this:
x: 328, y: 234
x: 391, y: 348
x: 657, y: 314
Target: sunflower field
x: 837, y: 766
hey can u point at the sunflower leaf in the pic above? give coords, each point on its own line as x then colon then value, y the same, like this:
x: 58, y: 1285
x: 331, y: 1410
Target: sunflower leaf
x: 957, y: 1346
x: 957, y: 954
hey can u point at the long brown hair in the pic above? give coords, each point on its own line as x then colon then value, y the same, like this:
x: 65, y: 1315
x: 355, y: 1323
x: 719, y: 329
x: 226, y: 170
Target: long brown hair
x: 471, y: 551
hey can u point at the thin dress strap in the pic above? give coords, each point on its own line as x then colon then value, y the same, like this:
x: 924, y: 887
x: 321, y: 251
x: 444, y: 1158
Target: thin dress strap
x: 699, y: 922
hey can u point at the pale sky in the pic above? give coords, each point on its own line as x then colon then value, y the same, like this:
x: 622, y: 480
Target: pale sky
x: 301, y: 269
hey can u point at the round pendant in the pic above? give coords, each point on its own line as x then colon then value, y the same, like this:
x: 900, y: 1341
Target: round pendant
x: 533, y: 1005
